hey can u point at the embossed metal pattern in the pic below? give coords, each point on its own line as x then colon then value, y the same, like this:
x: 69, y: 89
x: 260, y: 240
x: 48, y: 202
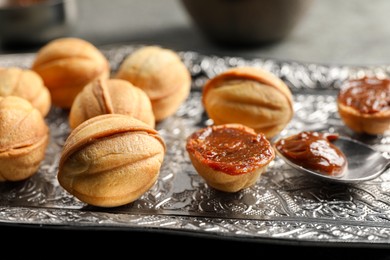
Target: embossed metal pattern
x: 283, y: 205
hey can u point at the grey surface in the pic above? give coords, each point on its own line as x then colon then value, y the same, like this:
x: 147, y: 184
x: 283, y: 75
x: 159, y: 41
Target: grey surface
x: 333, y: 31
x: 351, y: 32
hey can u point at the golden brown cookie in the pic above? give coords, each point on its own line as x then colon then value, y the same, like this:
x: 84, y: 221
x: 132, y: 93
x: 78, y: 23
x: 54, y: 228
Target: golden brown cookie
x: 249, y: 96
x: 161, y: 74
x: 111, y: 160
x: 24, y: 137
x: 66, y: 65
x: 229, y: 157
x: 26, y: 84
x: 111, y: 96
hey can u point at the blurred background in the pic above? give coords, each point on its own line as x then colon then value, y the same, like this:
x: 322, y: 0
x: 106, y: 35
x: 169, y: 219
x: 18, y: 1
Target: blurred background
x: 340, y: 32
x: 329, y: 31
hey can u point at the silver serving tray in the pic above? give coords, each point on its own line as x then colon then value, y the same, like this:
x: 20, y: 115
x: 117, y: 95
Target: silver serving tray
x: 284, y: 205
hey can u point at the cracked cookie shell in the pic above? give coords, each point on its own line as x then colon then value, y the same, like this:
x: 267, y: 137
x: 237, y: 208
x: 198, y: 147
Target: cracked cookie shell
x: 111, y: 160
x: 66, y: 65
x: 26, y: 84
x: 161, y: 74
x: 249, y: 96
x: 111, y: 96
x: 24, y: 137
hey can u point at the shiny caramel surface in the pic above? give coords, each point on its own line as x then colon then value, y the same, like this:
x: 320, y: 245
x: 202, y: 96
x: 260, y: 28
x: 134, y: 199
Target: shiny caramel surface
x: 232, y: 150
x: 366, y: 95
x: 314, y: 151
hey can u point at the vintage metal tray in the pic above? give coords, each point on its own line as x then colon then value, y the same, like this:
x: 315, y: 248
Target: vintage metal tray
x: 284, y: 205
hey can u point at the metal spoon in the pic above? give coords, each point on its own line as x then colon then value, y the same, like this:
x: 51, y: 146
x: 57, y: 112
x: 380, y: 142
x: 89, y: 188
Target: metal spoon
x: 364, y: 163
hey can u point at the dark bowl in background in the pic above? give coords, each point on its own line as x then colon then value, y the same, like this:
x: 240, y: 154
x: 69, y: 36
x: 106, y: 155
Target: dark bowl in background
x: 36, y: 23
x: 246, y: 22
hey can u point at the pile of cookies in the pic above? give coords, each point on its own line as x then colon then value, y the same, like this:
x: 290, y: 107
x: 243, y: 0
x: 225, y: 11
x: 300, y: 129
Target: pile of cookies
x: 113, y: 154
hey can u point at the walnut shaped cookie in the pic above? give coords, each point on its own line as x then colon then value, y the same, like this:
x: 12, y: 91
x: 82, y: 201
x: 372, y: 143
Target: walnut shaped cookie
x: 249, y: 96
x: 111, y: 96
x: 26, y: 84
x: 24, y: 136
x: 111, y: 160
x: 67, y: 65
x: 161, y: 74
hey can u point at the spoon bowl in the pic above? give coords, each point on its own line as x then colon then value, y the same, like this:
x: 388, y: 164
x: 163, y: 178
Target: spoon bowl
x: 364, y: 162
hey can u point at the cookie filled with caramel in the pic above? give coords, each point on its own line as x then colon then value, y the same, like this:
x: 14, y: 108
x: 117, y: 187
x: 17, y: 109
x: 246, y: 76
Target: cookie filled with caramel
x: 364, y: 105
x: 229, y: 157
